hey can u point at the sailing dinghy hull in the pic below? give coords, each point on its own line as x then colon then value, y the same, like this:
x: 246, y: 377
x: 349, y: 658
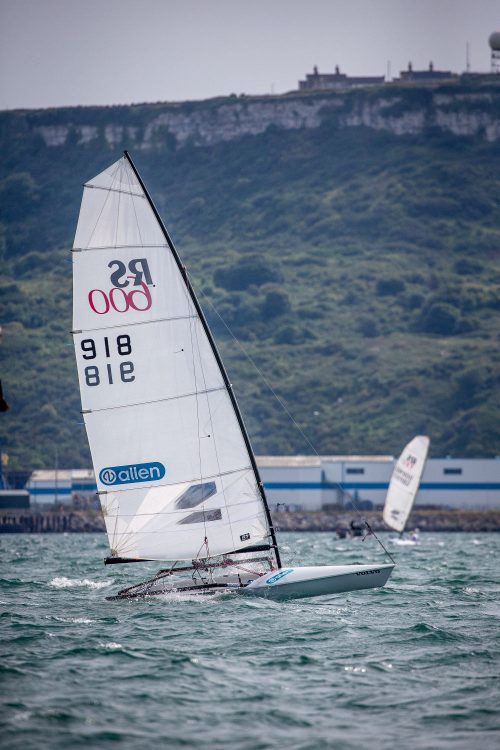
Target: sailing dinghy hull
x: 299, y: 583
x: 279, y: 585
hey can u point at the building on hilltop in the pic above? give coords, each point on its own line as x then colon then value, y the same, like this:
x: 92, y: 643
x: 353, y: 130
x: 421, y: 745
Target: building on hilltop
x: 426, y: 76
x: 337, y: 80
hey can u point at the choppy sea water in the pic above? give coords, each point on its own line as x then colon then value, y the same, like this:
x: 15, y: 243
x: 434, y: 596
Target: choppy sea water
x: 414, y: 664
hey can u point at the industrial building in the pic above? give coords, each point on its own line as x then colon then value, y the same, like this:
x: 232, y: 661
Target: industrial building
x: 426, y: 76
x: 319, y: 482
x: 337, y: 80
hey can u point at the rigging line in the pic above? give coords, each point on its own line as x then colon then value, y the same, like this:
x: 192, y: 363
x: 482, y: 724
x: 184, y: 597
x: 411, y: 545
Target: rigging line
x: 211, y: 422
x: 198, y: 423
x: 112, y: 533
x: 259, y: 371
x: 152, y: 401
x: 136, y: 323
x: 379, y: 541
x: 118, y: 209
x: 102, y: 207
x: 127, y: 172
x: 279, y: 400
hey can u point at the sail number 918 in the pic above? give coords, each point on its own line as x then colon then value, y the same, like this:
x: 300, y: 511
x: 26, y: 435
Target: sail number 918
x: 123, y: 347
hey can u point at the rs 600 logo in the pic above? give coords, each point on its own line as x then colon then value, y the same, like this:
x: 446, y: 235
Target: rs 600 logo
x: 132, y: 473
x: 119, y: 297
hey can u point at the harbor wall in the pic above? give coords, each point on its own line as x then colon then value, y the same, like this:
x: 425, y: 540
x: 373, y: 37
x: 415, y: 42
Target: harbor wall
x: 427, y: 520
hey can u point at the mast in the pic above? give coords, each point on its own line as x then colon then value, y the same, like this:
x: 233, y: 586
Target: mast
x: 215, y: 351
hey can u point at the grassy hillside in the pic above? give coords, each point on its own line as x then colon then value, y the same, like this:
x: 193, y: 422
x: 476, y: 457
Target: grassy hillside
x: 358, y: 269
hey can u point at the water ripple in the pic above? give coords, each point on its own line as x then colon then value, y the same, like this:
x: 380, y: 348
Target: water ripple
x: 415, y: 663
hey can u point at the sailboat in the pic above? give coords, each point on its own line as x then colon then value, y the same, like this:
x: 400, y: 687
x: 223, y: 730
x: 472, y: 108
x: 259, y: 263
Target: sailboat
x: 176, y: 475
x: 403, y: 488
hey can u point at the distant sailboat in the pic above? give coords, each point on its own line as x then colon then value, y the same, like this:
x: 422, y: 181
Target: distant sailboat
x: 175, y: 471
x: 403, y: 487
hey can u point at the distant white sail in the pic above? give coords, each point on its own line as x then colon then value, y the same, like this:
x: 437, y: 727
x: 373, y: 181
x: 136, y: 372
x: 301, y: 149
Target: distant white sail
x: 404, y: 483
x: 173, y: 468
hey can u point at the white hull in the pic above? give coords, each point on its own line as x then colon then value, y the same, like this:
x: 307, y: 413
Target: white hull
x: 404, y: 542
x: 297, y: 583
x: 285, y: 583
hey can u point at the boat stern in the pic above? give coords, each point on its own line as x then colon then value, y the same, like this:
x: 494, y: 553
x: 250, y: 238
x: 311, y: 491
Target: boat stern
x: 297, y: 583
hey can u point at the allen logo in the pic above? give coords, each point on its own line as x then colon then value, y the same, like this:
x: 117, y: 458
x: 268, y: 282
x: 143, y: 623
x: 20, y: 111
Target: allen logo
x: 280, y: 574
x: 132, y: 473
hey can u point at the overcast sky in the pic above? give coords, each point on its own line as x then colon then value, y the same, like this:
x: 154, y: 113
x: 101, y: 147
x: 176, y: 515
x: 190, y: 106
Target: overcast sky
x: 71, y: 52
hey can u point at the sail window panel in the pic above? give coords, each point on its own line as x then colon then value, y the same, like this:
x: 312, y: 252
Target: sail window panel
x: 195, y: 495
x: 127, y: 285
x: 140, y: 505
x: 202, y: 516
x: 156, y: 361
x: 192, y: 437
x: 146, y: 511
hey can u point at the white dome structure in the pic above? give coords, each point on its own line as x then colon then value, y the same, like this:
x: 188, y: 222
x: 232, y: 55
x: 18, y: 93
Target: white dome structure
x: 494, y: 41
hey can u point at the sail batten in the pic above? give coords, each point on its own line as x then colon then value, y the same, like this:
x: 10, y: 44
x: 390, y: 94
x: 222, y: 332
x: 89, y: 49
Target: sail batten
x: 137, y: 323
x: 174, y: 468
x: 115, y: 190
x: 111, y: 247
x: 154, y: 401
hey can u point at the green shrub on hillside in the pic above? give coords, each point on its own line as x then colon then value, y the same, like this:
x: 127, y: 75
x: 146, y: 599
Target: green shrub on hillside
x: 440, y: 318
x: 358, y: 269
x: 247, y: 271
x: 390, y: 286
x: 275, y: 304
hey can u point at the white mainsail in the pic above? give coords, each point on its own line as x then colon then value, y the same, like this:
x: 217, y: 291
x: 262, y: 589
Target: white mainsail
x: 404, y: 483
x: 173, y: 466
